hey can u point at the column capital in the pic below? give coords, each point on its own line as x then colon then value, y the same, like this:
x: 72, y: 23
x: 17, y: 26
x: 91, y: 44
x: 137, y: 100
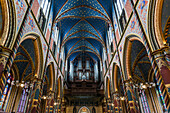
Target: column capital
x: 161, y: 52
x: 115, y: 93
x: 36, y: 79
x: 6, y: 51
x: 4, y: 56
x: 51, y: 92
x: 128, y: 82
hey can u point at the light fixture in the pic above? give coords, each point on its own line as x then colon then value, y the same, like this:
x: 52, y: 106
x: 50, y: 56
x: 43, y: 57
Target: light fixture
x: 122, y: 98
x: 31, y: 85
x: 117, y: 98
x: 55, y: 103
x: 17, y: 83
x: 49, y: 97
x: 144, y: 86
x: 44, y: 97
x: 153, y: 84
x: 141, y: 84
x: 13, y: 83
x: 22, y: 85
x: 126, y: 83
x: 112, y: 104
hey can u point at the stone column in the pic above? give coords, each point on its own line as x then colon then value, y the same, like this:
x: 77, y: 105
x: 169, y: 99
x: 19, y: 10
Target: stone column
x: 63, y: 106
x: 58, y: 106
x: 161, y: 67
x: 162, y: 57
x: 116, y: 102
x: 50, y: 101
x: 35, y: 95
x: 4, y: 68
x: 131, y: 98
x: 104, y: 106
x: 108, y: 101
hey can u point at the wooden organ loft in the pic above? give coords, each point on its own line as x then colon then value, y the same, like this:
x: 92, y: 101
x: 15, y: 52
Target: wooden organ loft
x: 84, y: 80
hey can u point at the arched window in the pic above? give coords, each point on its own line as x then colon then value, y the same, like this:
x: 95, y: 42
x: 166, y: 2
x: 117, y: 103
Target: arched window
x: 84, y: 109
x: 44, y: 13
x: 119, y: 7
x: 22, y: 103
x: 93, y: 110
x: 120, y: 12
x: 111, y: 47
x: 6, y: 92
x: 87, y: 75
x: 80, y: 74
x: 74, y: 109
x: 144, y: 102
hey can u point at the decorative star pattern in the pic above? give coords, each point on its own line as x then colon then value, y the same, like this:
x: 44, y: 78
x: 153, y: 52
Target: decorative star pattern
x: 83, y: 25
x: 21, y: 7
x: 142, y: 9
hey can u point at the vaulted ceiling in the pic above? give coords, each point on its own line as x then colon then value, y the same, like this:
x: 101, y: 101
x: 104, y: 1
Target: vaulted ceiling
x: 83, y: 26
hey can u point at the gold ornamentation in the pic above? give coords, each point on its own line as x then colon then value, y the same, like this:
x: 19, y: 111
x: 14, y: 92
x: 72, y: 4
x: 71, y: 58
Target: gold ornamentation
x: 162, y: 63
x: 3, y: 61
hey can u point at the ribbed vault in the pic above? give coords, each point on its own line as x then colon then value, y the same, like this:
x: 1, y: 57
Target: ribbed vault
x: 83, y: 26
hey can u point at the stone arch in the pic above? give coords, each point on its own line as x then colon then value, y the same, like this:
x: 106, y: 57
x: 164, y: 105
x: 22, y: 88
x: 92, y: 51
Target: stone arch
x: 7, y: 28
x: 93, y: 110
x: 108, y: 88
x: 112, y: 77
x: 116, y: 77
x: 26, y: 66
x: 155, y: 25
x: 126, y: 52
x: 50, y: 72
x: 84, y: 109
x: 138, y: 69
x: 138, y: 58
x: 48, y: 86
x: 59, y: 92
x: 35, y: 51
x: 39, y: 52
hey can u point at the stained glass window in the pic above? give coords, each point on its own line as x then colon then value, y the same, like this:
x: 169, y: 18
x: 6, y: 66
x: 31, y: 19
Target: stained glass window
x: 144, y: 102
x: 159, y: 99
x: 23, y: 100
x: 87, y: 76
x: 80, y: 76
x: 6, y: 91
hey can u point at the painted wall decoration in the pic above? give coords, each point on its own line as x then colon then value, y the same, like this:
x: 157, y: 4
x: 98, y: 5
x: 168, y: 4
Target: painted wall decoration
x: 128, y: 8
x: 51, y: 59
x: 142, y: 9
x: 29, y: 26
x: 20, y: 6
x: 133, y: 28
